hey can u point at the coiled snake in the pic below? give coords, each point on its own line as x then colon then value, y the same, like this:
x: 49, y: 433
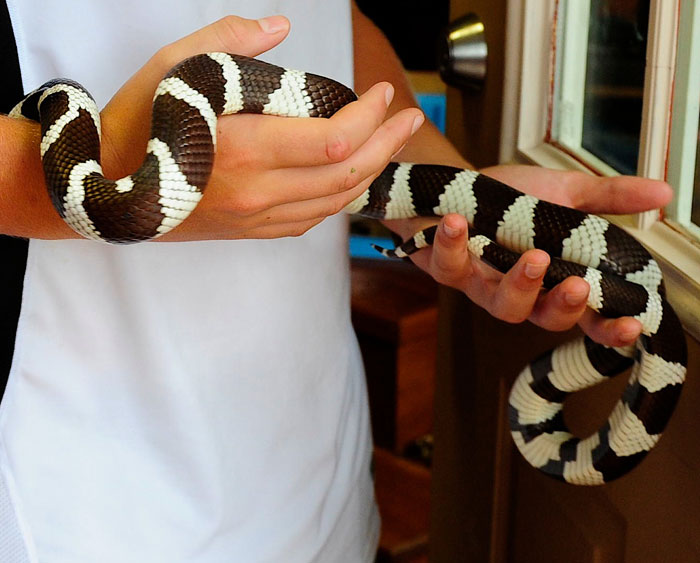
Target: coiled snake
x: 624, y: 278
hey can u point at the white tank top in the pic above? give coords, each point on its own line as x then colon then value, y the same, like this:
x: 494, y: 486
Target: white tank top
x: 198, y: 402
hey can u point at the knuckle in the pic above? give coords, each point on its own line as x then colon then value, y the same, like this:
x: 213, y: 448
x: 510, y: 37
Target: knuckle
x: 238, y: 154
x: 302, y: 228
x: 452, y: 269
x: 296, y: 231
x: 516, y: 319
x: 338, y: 146
x: 513, y: 319
x: 352, y: 178
x: 229, y: 31
x: 553, y: 325
x: 244, y: 203
x: 347, y: 183
x: 335, y: 205
x: 166, y: 56
x: 523, y: 284
x: 445, y: 276
x: 508, y: 315
x: 246, y: 158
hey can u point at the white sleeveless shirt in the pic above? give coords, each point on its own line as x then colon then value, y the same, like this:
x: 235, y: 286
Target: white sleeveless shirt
x: 173, y: 402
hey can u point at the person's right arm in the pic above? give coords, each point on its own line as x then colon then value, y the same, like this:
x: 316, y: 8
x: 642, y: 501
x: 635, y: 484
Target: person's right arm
x: 272, y: 177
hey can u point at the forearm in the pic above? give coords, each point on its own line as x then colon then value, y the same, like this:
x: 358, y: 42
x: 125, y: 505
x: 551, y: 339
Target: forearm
x: 376, y: 60
x: 25, y: 207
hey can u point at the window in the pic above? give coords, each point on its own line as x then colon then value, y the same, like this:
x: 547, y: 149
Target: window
x: 600, y: 85
x: 599, y: 81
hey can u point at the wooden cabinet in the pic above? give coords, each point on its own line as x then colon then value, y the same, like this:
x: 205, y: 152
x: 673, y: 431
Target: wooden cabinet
x: 394, y: 311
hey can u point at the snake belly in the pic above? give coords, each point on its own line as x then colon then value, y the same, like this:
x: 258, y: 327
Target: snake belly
x: 624, y: 278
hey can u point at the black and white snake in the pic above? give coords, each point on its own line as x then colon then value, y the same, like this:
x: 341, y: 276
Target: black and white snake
x: 624, y: 278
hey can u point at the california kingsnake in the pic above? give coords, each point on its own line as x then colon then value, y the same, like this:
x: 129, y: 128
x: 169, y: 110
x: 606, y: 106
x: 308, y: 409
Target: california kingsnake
x: 624, y: 279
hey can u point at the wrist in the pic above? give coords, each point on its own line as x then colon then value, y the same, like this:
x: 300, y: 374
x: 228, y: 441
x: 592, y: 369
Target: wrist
x: 25, y: 207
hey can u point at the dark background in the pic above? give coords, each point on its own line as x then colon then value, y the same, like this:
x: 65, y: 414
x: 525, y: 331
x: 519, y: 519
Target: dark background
x: 412, y: 26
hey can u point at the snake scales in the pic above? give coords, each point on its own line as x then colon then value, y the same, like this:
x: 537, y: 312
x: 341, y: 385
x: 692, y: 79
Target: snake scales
x: 624, y: 278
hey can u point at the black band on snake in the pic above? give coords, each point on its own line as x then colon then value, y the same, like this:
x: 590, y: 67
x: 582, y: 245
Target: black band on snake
x: 624, y: 278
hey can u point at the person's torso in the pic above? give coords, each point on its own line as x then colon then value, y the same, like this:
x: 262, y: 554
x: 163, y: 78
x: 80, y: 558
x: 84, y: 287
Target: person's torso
x: 185, y: 402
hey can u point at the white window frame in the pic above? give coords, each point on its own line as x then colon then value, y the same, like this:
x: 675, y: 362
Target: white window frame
x: 527, y: 96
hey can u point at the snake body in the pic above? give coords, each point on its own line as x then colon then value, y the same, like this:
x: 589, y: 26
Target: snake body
x: 624, y: 278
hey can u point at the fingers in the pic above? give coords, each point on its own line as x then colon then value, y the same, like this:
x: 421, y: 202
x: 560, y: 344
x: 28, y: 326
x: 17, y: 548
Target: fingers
x: 618, y: 195
x: 450, y: 261
x: 304, y: 183
x: 510, y: 297
x: 565, y: 306
x: 562, y: 307
x: 610, y: 332
x: 257, y: 209
x: 559, y: 309
x: 520, y: 287
x: 580, y: 190
x: 310, y: 142
x: 517, y: 295
x: 282, y: 230
x: 363, y: 164
x: 223, y: 230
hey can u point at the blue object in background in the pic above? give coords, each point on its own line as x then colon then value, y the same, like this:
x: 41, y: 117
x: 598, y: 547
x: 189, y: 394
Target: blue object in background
x: 433, y: 105
x: 361, y: 246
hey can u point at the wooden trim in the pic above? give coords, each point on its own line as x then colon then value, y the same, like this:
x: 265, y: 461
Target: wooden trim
x: 511, y: 81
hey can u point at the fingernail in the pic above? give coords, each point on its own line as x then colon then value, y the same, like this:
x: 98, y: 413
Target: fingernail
x: 629, y: 336
x: 273, y: 24
x: 389, y: 94
x: 450, y: 231
x: 417, y: 122
x: 534, y: 271
x: 575, y: 297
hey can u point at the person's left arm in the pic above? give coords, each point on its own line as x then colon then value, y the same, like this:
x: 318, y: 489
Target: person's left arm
x: 517, y: 295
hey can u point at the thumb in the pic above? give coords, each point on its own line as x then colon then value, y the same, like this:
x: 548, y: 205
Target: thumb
x: 231, y: 35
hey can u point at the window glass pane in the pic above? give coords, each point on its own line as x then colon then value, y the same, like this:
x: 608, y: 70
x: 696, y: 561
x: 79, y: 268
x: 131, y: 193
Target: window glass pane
x: 683, y: 167
x: 599, y: 82
x: 612, y: 111
x: 695, y: 217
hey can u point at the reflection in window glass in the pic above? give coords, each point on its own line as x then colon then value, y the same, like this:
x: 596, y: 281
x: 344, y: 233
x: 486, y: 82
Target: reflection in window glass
x: 612, y: 107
